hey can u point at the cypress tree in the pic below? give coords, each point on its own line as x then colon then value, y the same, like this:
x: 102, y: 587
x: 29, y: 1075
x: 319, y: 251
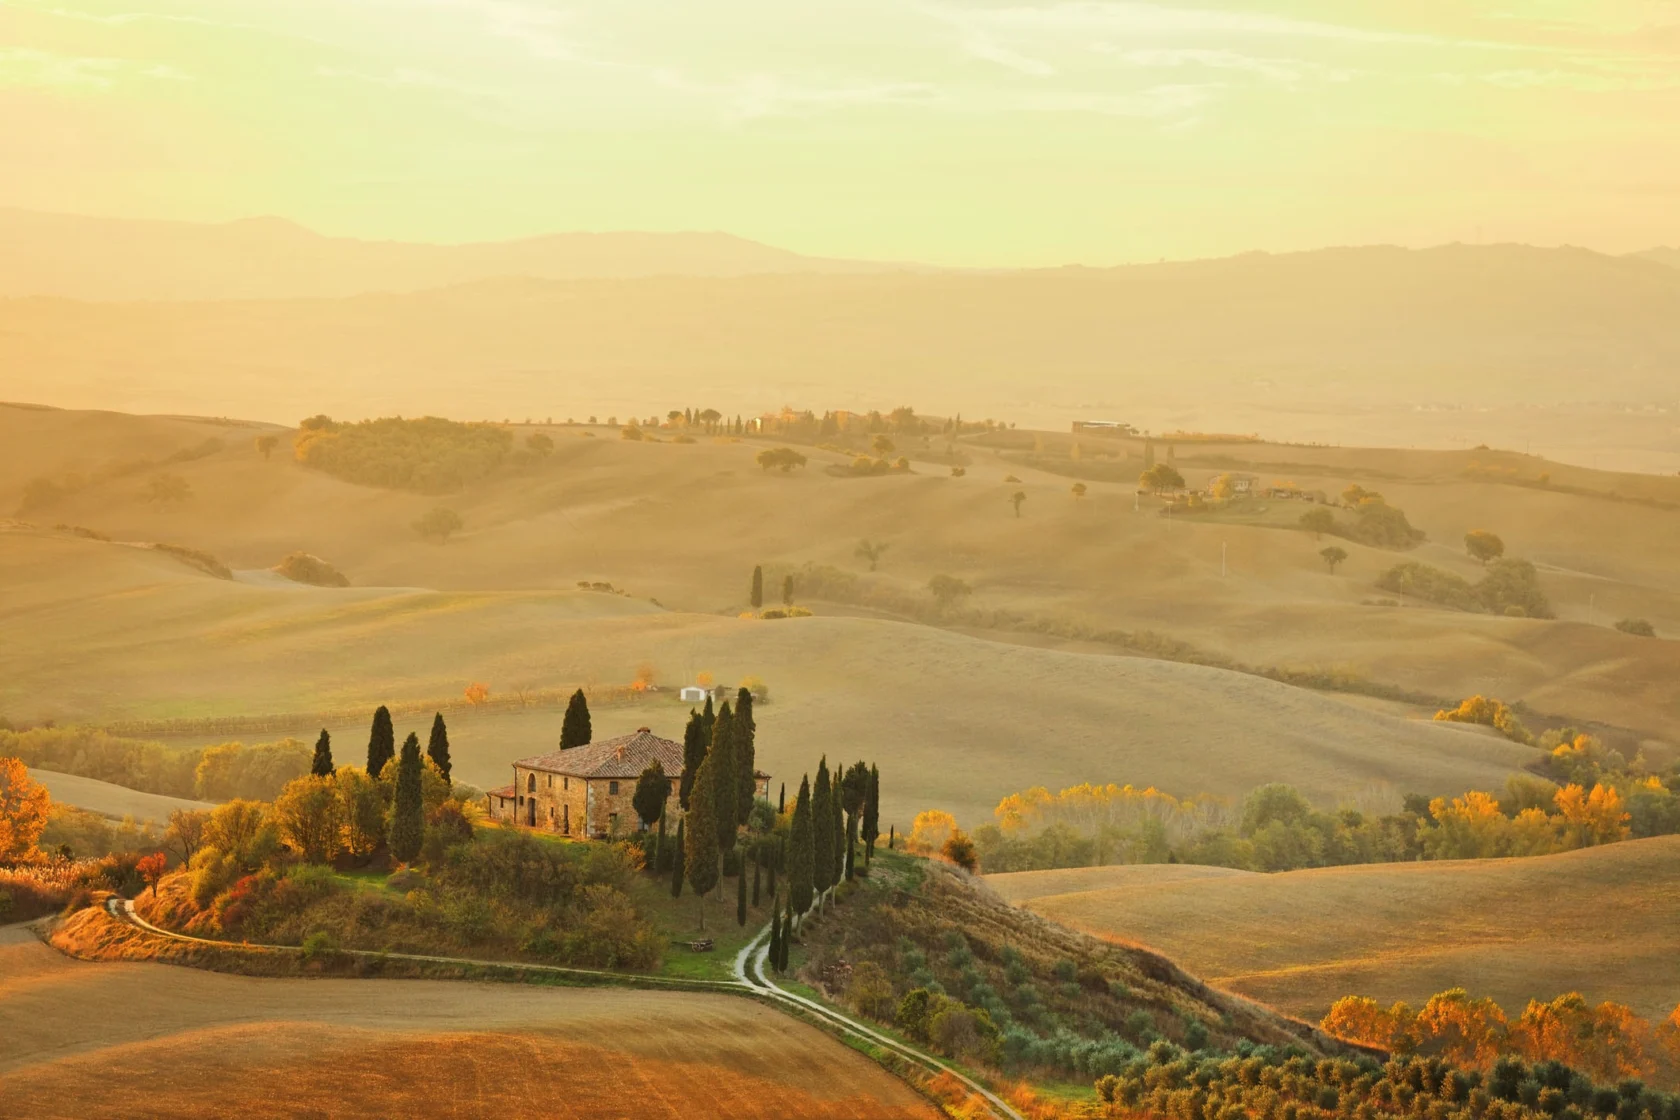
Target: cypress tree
x: 574, y: 729
x: 678, y: 860
x: 407, y: 825
x: 695, y: 740
x: 382, y: 742
x: 891, y: 832
x: 787, y: 590
x: 871, y: 815
x: 437, y: 747
x: 822, y: 832
x: 659, y: 846
x: 724, y: 784
x: 700, y: 851
x: 801, y: 864
x: 741, y: 898
x: 837, y: 827
x: 781, y: 802
x: 744, y: 731
x: 775, y: 953
x: 755, y: 878
x: 758, y: 587
x: 708, y: 717
x: 771, y: 876
x: 322, y: 764
x: 787, y: 938
x: 854, y: 791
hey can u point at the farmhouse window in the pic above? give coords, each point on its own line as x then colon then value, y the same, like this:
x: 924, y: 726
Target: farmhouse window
x: 531, y: 784
x: 612, y: 787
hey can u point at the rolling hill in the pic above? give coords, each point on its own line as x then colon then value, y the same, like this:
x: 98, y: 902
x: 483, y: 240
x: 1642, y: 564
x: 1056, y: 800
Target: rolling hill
x: 271, y: 1048
x: 1598, y: 921
x: 1343, y: 328
x: 79, y: 257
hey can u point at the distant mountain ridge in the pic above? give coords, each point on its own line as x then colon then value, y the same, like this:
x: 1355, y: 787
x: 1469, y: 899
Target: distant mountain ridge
x: 43, y: 254
x: 1662, y: 254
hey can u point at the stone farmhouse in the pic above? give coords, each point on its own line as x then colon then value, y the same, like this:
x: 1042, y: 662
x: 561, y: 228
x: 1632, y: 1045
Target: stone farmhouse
x: 586, y: 792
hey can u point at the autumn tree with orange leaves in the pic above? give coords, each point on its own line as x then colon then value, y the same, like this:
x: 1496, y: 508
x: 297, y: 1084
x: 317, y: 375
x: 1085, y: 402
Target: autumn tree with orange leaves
x: 24, y: 808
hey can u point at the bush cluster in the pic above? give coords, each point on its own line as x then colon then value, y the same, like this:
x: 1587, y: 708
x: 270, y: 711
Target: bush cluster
x: 1509, y: 587
x: 428, y: 455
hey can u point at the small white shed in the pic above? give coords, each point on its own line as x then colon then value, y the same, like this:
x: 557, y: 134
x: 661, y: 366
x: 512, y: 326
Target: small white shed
x: 693, y: 694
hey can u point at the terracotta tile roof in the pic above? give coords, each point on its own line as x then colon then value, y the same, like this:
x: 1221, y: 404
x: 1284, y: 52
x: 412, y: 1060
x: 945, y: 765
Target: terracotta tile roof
x: 624, y: 757
x: 505, y: 791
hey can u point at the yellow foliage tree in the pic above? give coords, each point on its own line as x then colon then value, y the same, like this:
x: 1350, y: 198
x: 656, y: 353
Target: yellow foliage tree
x: 930, y: 830
x: 1598, y: 817
x: 1461, y: 1030
x: 1361, y: 1019
x: 24, y: 808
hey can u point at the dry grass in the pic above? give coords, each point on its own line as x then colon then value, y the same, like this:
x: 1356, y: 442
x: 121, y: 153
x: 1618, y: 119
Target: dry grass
x: 1599, y: 921
x: 273, y: 1047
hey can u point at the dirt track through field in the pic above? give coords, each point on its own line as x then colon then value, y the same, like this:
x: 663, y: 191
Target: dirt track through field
x: 128, y: 1039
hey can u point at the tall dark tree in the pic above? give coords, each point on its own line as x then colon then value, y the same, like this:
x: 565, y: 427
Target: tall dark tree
x: 771, y: 871
x: 652, y: 789
x: 574, y: 728
x: 854, y: 793
x: 437, y: 747
x: 787, y: 590
x: 382, y: 742
x: 758, y: 587
x: 407, y: 823
x: 322, y: 764
x: 801, y: 863
x: 708, y: 717
x: 837, y: 829
x: 822, y: 831
x: 872, y: 815
x: 774, y: 956
x: 659, y: 851
x: 700, y: 850
x: 781, y: 802
x: 756, y: 875
x: 787, y: 938
x: 679, y: 860
x: 744, y: 731
x: 724, y: 789
x: 695, y: 741
x: 741, y: 899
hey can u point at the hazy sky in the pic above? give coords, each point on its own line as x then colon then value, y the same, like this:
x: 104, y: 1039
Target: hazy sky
x: 955, y: 131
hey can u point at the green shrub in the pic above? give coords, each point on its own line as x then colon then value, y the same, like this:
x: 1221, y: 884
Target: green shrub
x: 1638, y: 627
x: 428, y: 455
x: 301, y: 567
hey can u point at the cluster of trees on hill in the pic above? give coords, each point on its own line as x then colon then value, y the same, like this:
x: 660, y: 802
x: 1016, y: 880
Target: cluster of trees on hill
x: 1286, y: 1084
x: 814, y: 843
x: 1606, y: 1042
x: 212, y: 773
x: 1375, y: 522
x: 1509, y: 587
x: 1593, y: 801
x: 428, y: 455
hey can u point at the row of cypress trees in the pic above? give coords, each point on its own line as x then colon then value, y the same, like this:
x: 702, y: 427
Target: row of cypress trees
x: 407, y: 828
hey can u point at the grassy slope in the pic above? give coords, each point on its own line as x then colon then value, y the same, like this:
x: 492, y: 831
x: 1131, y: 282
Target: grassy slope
x: 111, y: 800
x: 267, y: 1047
x: 1600, y: 921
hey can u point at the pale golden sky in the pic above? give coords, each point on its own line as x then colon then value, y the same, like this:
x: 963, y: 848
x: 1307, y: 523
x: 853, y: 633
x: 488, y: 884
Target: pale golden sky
x: 951, y: 131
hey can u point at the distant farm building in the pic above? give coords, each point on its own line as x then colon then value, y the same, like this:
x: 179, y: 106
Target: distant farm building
x: 693, y: 694
x: 1112, y: 428
x: 586, y: 792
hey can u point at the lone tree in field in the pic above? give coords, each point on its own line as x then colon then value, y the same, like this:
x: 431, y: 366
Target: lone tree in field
x: 653, y: 788
x: 726, y: 790
x: 787, y: 590
x: 801, y: 861
x: 948, y: 591
x: 25, y: 807
x: 1318, y: 522
x: 1016, y: 499
x: 757, y: 596
x: 322, y: 764
x: 439, y: 525
x: 1078, y: 490
x: 959, y: 849
x: 695, y: 741
x: 437, y: 747
x: 700, y: 849
x: 783, y: 459
x: 871, y: 552
x: 1162, y: 476
x: 407, y: 825
x: 883, y: 445
x: 1333, y: 556
x: 574, y: 728
x: 151, y: 868
x: 822, y: 831
x: 871, y: 815
x: 745, y: 731
x: 266, y: 445
x: 382, y: 742
x: 854, y: 793
x: 1483, y: 546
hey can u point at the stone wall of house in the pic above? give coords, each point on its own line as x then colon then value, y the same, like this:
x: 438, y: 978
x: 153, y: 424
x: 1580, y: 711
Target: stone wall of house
x: 559, y: 801
x: 603, y: 803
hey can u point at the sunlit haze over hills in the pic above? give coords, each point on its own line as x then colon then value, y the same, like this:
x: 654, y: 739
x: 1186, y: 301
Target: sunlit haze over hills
x: 955, y: 132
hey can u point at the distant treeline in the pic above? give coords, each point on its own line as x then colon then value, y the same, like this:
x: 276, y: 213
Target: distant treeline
x: 1510, y: 587
x: 214, y: 773
x: 428, y: 455
x: 1584, y: 796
